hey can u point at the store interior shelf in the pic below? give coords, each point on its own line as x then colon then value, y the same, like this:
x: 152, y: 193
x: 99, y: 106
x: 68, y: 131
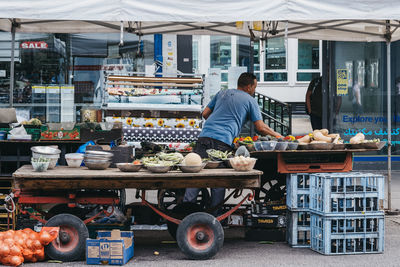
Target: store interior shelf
x: 163, y: 107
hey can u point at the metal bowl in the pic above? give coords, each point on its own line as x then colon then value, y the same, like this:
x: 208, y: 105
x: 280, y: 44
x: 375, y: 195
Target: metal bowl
x: 45, y: 150
x: 129, y: 167
x: 97, y: 165
x: 159, y: 169
x: 212, y: 164
x: 192, y: 169
x: 98, y: 154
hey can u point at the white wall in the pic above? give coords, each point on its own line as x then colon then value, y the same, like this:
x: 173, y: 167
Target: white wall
x: 284, y: 93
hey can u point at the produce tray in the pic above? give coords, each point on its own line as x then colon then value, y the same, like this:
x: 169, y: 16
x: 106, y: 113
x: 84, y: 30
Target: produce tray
x: 373, y: 145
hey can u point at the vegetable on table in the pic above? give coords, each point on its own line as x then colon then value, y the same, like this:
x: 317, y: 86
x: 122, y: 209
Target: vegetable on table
x: 217, y: 154
x: 357, y: 139
x: 192, y: 159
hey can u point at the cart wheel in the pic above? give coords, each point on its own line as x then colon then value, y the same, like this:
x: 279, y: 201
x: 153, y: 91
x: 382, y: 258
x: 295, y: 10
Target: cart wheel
x: 200, y: 236
x: 180, y: 211
x: 271, y: 190
x: 170, y: 198
x: 70, y: 245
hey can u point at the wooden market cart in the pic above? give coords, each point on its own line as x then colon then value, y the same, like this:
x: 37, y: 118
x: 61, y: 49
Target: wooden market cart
x: 199, y: 235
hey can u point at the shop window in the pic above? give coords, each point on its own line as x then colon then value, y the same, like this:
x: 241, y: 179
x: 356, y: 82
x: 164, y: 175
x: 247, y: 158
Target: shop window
x: 220, y: 52
x: 243, y: 53
x: 307, y: 76
x: 275, y: 57
x: 275, y: 77
x: 308, y: 57
x: 275, y: 60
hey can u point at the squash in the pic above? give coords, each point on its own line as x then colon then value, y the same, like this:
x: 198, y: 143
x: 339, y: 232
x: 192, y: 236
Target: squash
x: 336, y: 139
x: 305, y: 139
x: 357, y: 139
x: 318, y: 136
x: 333, y: 135
x: 324, y: 131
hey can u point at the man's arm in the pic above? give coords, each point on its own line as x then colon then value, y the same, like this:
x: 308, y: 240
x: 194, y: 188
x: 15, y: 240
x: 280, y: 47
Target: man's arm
x: 308, y: 101
x: 263, y: 129
x: 206, y: 113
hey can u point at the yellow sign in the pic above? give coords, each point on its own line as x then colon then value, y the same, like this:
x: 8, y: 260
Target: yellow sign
x: 265, y: 221
x: 342, y: 82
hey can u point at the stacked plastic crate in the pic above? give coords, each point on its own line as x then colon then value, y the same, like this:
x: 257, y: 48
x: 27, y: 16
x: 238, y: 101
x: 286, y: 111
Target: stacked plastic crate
x: 347, y: 213
x: 298, y: 215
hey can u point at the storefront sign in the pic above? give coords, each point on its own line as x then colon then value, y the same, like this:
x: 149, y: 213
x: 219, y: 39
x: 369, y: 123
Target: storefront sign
x: 34, y: 45
x: 342, y: 77
x: 214, y: 79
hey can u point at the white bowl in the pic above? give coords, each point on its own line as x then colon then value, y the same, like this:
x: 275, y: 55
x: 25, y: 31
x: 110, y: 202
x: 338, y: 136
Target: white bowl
x: 243, y: 167
x: 74, y: 160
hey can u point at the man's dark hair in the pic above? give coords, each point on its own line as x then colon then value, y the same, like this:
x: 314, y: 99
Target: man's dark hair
x: 245, y: 79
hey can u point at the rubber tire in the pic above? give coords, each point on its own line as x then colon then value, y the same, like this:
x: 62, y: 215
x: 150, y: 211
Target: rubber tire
x: 180, y: 211
x: 204, y: 219
x: 77, y: 253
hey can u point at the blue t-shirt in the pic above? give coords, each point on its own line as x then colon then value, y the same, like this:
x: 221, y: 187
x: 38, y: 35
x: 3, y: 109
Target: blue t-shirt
x: 230, y: 111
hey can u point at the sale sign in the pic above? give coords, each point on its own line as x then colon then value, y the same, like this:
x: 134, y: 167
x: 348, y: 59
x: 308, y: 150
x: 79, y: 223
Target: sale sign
x: 34, y: 45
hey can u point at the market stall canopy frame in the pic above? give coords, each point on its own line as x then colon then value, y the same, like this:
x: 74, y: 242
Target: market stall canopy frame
x: 306, y: 19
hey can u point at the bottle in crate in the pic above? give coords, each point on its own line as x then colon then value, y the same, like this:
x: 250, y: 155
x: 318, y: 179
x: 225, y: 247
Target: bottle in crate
x: 298, y: 191
x: 350, y: 193
x: 298, y: 228
x: 343, y: 234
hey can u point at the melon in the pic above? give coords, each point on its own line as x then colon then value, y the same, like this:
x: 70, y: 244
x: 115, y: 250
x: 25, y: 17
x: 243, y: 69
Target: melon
x: 192, y: 159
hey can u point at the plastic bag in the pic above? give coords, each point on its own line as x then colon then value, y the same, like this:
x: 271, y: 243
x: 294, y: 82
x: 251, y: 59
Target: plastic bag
x: 242, y: 151
x: 19, y: 246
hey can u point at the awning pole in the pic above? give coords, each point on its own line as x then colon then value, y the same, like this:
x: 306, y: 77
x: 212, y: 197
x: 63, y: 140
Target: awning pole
x: 12, y: 64
x: 389, y: 121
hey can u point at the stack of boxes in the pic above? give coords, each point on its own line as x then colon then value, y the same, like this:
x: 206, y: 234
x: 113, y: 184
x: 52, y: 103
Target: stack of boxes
x: 298, y: 214
x: 343, y: 211
x: 347, y: 214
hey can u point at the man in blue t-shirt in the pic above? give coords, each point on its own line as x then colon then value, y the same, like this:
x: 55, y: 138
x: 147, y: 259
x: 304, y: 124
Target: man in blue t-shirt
x: 225, y: 115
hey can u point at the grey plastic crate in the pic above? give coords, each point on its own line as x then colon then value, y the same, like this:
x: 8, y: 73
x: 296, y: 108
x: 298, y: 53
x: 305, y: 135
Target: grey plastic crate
x: 335, y: 235
x: 342, y: 193
x: 298, y: 229
x: 298, y: 191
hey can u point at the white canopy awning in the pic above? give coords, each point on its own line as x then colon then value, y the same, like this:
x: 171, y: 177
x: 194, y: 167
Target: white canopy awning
x: 340, y: 20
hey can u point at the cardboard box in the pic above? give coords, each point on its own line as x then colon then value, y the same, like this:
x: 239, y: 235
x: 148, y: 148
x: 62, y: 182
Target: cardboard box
x: 111, y: 247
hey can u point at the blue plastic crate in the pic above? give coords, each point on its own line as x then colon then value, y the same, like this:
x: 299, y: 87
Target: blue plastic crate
x: 346, y: 193
x: 298, y: 191
x: 335, y: 235
x: 298, y: 229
